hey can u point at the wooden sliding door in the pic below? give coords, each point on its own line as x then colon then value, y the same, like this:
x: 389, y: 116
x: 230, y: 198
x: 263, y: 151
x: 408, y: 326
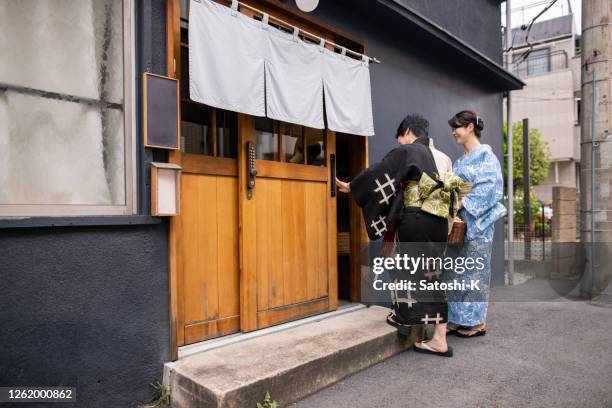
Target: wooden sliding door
x: 288, y: 225
x: 207, y: 227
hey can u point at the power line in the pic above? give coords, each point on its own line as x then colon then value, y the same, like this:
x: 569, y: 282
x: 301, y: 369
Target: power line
x: 533, y: 20
x: 529, y: 6
x: 536, y: 99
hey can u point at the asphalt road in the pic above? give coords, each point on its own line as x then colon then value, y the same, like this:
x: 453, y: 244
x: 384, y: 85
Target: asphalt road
x: 535, y: 354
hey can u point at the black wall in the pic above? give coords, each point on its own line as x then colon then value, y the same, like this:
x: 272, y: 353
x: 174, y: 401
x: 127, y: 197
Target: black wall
x: 475, y: 22
x: 87, y: 306
x: 415, y: 76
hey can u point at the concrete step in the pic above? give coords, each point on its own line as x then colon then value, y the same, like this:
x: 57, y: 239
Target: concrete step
x: 290, y: 364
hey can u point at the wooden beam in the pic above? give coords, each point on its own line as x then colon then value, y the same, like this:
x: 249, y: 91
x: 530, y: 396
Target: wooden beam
x: 213, y: 132
x: 173, y: 59
x: 332, y: 228
x: 247, y: 224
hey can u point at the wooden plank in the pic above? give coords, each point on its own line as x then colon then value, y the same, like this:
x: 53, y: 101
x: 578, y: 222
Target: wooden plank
x: 213, y: 132
x: 208, y: 330
x: 275, y: 211
x: 227, y: 249
x: 173, y: 59
x: 302, y: 140
x: 316, y: 239
x: 292, y: 312
x: 281, y: 142
x: 247, y: 229
x: 293, y: 221
x: 270, y: 169
x: 332, y: 249
x: 312, y: 218
x: 200, y: 242
x: 269, y: 244
x: 199, y: 164
x: 264, y: 243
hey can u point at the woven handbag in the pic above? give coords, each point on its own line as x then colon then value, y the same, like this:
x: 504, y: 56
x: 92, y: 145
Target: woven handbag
x: 457, y: 233
x: 458, y: 230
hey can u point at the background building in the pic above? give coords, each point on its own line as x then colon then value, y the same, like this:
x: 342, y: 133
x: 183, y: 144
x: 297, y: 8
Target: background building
x: 550, y: 66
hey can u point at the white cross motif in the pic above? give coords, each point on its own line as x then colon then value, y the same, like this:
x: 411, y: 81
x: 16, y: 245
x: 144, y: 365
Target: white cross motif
x: 430, y: 274
x: 379, y: 231
x: 397, y: 300
x: 381, y: 189
x: 436, y: 320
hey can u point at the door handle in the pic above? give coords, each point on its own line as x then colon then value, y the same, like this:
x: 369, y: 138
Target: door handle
x: 332, y: 165
x: 251, y: 170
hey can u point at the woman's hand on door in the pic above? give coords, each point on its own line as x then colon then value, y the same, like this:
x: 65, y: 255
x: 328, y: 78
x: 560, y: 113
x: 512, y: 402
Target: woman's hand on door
x: 343, y: 186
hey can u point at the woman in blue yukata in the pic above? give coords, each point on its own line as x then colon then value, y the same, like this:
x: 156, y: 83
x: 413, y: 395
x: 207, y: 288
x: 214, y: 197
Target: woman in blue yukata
x: 479, y: 209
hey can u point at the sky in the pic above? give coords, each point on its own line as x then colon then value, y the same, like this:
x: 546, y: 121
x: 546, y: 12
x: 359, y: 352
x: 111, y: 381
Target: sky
x: 524, y: 10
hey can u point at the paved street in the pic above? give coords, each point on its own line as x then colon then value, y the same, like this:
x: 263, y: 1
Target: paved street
x: 535, y: 354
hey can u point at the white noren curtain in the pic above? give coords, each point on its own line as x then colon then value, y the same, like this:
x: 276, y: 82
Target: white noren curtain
x: 244, y: 65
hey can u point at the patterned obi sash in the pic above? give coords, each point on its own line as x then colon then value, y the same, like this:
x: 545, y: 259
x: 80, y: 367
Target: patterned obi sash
x: 436, y: 197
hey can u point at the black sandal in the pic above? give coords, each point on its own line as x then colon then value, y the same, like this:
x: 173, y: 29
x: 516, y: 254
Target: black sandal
x: 455, y: 330
x: 402, y: 329
x: 478, y: 332
x: 429, y: 350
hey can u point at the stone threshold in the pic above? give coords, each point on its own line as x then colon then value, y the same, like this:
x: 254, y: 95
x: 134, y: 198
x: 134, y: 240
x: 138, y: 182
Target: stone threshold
x: 290, y: 363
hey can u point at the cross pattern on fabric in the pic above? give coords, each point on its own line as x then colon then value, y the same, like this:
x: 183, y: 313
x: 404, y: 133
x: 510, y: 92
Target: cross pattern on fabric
x: 381, y: 189
x: 435, y: 320
x: 396, y: 299
x: 379, y: 231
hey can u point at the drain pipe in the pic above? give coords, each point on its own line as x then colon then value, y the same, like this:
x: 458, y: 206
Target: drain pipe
x: 593, y: 146
x: 510, y: 181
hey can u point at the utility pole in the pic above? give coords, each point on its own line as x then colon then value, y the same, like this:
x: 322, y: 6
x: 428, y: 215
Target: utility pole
x: 596, y: 148
x: 509, y: 158
x: 526, y: 190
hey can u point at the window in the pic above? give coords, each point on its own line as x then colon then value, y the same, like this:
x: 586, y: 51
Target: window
x: 66, y: 117
x: 577, y: 110
x: 266, y: 132
x: 269, y: 145
x: 537, y: 62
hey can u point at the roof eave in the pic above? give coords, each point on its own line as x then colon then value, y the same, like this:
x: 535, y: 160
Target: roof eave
x: 506, y: 80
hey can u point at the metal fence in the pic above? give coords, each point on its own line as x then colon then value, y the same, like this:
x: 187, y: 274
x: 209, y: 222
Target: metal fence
x: 531, y: 243
x: 538, y: 62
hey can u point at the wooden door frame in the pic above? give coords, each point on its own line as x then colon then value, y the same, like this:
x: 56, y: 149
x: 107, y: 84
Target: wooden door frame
x: 173, y: 68
x: 247, y: 237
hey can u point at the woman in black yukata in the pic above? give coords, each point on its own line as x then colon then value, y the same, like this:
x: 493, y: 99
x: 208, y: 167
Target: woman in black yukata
x: 383, y: 193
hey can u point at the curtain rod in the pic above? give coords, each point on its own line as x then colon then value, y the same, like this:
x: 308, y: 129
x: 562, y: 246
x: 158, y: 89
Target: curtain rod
x: 313, y: 36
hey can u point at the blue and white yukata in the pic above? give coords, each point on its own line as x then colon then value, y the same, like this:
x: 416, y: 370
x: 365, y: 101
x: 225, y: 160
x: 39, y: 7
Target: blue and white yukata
x: 481, y: 208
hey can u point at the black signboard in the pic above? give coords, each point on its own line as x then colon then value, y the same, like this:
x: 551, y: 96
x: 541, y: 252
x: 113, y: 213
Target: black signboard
x: 161, y: 111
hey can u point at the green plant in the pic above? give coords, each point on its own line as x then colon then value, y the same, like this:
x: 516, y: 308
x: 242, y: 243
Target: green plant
x: 162, y: 395
x: 539, y: 156
x: 519, y: 208
x: 268, y: 402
